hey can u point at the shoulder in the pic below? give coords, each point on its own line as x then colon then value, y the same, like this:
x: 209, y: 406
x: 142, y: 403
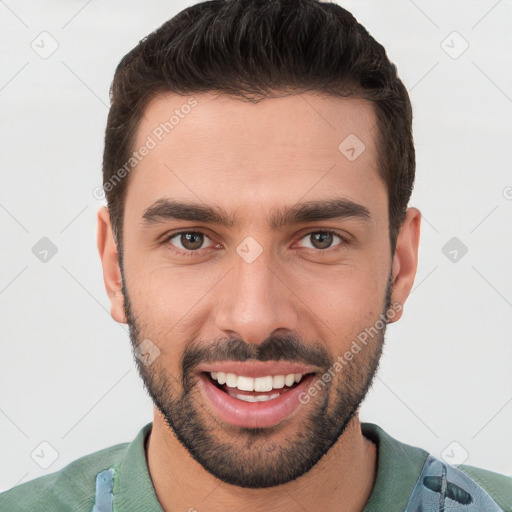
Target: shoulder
x: 498, y: 486
x: 70, y: 488
x: 416, y: 474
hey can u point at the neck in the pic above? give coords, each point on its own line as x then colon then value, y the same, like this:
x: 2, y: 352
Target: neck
x: 341, y: 481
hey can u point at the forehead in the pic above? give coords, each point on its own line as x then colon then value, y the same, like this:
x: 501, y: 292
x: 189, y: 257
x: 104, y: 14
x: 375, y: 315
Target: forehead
x: 222, y: 151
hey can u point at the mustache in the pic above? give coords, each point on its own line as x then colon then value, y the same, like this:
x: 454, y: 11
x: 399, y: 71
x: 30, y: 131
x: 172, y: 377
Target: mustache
x: 275, y: 348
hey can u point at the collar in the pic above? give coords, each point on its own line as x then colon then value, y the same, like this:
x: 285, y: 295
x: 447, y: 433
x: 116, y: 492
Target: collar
x: 398, y: 468
x: 133, y: 488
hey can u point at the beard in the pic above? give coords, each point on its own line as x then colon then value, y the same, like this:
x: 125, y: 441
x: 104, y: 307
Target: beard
x: 249, y: 457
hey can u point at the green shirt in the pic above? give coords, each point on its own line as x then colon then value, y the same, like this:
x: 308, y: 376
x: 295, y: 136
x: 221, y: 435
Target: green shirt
x: 406, y: 475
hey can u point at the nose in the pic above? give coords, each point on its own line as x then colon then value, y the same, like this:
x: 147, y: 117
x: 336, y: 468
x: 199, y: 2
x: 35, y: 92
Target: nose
x: 255, y: 299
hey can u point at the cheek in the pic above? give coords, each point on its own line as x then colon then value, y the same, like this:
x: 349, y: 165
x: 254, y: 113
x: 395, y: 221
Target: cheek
x: 171, y: 303
x: 341, y: 303
x: 351, y: 291
x: 175, y: 291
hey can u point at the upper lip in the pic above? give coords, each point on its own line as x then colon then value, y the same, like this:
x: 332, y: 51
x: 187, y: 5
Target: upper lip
x: 257, y: 368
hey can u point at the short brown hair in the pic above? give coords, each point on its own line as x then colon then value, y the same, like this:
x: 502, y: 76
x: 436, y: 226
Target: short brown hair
x: 249, y: 49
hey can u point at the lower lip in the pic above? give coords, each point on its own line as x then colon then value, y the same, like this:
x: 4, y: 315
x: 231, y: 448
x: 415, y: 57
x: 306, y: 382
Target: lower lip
x: 252, y: 414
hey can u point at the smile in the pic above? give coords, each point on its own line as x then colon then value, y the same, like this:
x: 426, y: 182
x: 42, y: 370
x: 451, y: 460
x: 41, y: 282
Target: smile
x: 262, y: 388
x: 254, y: 395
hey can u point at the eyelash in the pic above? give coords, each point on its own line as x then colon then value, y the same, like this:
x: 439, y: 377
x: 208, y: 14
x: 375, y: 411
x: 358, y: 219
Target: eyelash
x: 343, y: 239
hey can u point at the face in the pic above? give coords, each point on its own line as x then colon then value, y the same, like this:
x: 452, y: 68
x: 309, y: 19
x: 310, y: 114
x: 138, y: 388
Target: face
x: 256, y: 256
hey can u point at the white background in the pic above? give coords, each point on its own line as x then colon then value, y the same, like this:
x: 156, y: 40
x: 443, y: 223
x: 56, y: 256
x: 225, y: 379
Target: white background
x: 66, y: 370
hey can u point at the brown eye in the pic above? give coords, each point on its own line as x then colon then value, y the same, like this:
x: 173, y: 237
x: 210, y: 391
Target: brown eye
x: 188, y: 241
x: 192, y: 241
x: 322, y: 240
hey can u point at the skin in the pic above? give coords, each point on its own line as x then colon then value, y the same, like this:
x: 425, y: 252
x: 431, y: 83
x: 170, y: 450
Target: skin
x: 253, y: 159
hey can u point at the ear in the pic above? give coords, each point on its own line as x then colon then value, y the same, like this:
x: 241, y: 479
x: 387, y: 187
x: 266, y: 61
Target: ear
x: 110, y: 263
x: 405, y: 260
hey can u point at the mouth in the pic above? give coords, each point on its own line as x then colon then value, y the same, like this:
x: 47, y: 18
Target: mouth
x: 254, y: 395
x: 255, y: 389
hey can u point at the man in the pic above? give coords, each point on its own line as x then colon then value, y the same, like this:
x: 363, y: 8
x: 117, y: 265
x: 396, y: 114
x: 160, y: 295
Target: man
x: 258, y: 165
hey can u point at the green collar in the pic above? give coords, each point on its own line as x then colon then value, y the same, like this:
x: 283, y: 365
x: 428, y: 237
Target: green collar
x: 398, y: 468
x: 133, y: 488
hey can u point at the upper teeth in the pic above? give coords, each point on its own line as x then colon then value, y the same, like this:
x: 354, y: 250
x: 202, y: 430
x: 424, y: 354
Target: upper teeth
x: 266, y: 383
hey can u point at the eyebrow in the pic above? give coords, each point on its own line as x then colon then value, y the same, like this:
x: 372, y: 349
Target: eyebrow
x: 165, y: 209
